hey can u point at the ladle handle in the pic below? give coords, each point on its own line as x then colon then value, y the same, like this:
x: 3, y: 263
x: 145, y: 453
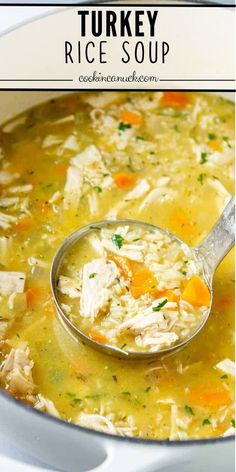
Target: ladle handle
x: 220, y: 240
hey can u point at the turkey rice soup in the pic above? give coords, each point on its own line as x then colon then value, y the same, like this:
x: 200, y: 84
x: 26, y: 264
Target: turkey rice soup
x: 146, y: 290
x: 165, y: 158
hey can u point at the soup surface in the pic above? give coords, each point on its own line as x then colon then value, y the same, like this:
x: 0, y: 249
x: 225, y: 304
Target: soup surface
x: 165, y: 158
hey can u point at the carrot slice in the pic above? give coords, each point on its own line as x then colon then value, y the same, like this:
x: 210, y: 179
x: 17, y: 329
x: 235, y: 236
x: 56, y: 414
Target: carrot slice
x: 174, y: 99
x: 123, y: 264
x: 33, y: 295
x: 124, y: 180
x: 196, y: 292
x: 215, y: 145
x: 210, y: 397
x: 180, y: 223
x: 99, y: 338
x: 23, y: 225
x: 132, y: 118
x: 143, y: 281
x: 61, y: 169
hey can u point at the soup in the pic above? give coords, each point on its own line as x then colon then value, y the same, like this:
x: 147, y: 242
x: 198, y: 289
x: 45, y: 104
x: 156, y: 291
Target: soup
x: 164, y: 158
x: 147, y: 290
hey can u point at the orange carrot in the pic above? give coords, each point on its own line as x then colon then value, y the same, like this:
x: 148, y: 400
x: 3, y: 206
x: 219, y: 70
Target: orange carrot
x: 32, y: 295
x: 23, y: 225
x: 61, y: 169
x: 215, y: 145
x: 143, y: 281
x: 180, y: 223
x: 123, y: 264
x: 132, y: 118
x: 210, y: 397
x: 174, y: 99
x: 124, y: 180
x: 196, y: 292
x: 99, y: 338
x: 224, y: 302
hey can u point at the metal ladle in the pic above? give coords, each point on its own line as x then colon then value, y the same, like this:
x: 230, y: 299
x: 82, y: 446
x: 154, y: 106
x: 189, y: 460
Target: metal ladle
x: 210, y: 252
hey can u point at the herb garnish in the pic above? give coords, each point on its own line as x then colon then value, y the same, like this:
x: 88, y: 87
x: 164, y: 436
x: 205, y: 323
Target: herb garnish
x: 115, y: 378
x: 158, y: 307
x: 226, y: 139
x: 211, y: 136
x: 123, y: 346
x: 123, y: 126
x: 91, y: 276
x: 117, y: 240
x: 148, y: 388
x: 206, y: 421
x: 99, y: 189
x: 233, y: 422
x: 225, y: 376
x: 188, y: 410
x: 200, y: 178
x: 203, y: 158
x: 75, y: 401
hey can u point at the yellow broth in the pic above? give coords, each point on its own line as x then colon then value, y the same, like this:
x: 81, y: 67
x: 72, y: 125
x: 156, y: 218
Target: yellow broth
x: 74, y: 377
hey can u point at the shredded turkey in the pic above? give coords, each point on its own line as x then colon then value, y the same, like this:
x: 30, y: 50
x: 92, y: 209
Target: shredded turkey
x: 45, y: 405
x: 97, y: 278
x: 11, y: 282
x: 16, y: 372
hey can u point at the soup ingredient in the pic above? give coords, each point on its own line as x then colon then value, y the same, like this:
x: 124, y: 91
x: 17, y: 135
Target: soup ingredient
x: 86, y: 131
x: 16, y: 371
x: 196, y: 292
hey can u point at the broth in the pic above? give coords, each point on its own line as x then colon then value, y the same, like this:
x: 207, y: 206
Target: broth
x: 180, y: 145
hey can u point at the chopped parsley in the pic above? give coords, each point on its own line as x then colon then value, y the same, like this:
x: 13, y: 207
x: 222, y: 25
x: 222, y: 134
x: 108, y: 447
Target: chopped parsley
x: 123, y: 126
x: 96, y: 396
x: 117, y: 240
x: 91, y: 276
x: 206, y: 421
x: 188, y: 410
x: 70, y: 394
x: 158, y: 307
x: 176, y: 128
x: 233, y: 422
x: 148, y: 388
x: 203, y: 158
x: 115, y: 378
x: 184, y: 272
x: 211, y: 136
x: 123, y: 346
x: 225, y: 376
x: 99, y: 189
x: 126, y: 393
x: 140, y: 138
x: 226, y: 139
x: 200, y: 178
x: 76, y: 401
